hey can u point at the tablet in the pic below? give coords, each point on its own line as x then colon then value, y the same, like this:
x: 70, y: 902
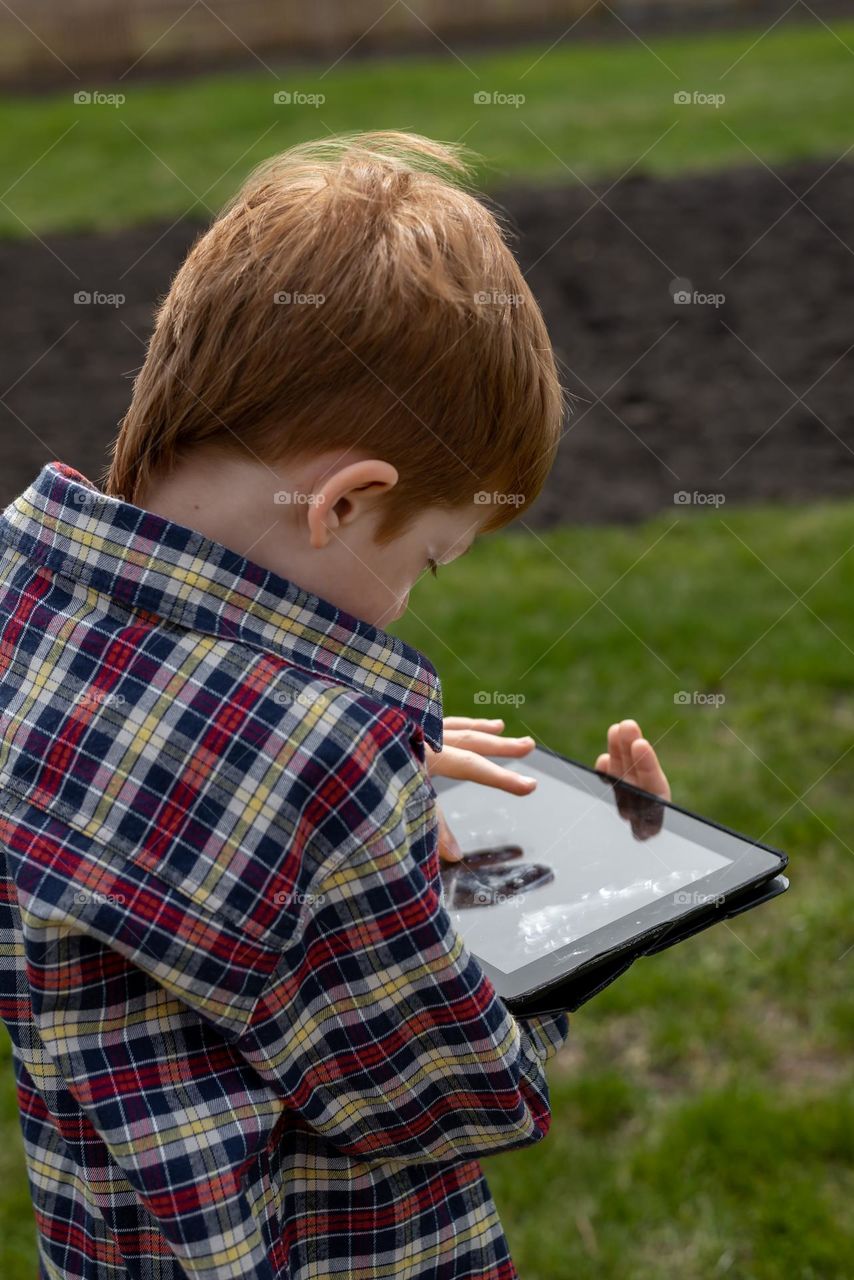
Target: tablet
x: 560, y: 890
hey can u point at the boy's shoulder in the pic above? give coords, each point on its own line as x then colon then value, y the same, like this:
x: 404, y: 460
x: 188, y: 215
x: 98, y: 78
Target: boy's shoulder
x: 263, y: 748
x: 219, y: 767
x: 289, y: 712
x: 280, y: 771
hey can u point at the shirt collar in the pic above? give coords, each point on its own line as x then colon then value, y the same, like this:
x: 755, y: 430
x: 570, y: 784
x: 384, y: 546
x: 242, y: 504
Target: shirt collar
x: 148, y: 562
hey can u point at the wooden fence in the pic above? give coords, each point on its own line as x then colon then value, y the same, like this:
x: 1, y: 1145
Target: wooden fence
x: 43, y: 41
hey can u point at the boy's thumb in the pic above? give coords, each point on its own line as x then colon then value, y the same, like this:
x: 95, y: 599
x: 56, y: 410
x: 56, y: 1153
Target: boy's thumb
x: 449, y: 848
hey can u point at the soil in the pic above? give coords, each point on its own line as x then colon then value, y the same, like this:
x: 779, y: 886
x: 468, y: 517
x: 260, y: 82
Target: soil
x: 741, y: 394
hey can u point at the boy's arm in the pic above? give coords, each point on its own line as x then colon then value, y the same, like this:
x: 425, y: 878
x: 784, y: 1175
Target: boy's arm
x: 381, y: 1029
x: 359, y: 1009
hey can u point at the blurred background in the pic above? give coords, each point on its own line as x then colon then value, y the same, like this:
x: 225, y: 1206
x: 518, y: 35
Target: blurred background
x: 678, y: 184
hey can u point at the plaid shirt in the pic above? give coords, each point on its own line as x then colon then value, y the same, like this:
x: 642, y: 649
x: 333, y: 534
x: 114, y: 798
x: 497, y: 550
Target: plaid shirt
x: 247, y: 1039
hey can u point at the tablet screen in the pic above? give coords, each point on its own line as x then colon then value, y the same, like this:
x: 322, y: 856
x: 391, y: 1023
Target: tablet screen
x: 593, y: 868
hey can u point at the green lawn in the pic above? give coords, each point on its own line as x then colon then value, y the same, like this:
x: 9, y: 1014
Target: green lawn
x: 703, y: 1108
x: 176, y: 148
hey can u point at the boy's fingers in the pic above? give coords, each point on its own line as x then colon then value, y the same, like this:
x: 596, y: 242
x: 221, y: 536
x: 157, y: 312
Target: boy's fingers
x: 487, y: 743
x: 467, y: 722
x: 644, y: 758
x: 621, y: 735
x: 615, y: 750
x: 449, y: 849
x: 603, y: 763
x: 647, y: 769
x: 644, y: 761
x: 629, y: 733
x: 471, y: 767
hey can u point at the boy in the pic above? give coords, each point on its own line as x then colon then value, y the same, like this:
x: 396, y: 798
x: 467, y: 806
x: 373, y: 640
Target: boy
x: 247, y: 1040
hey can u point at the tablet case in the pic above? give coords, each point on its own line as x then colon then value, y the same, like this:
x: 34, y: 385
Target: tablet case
x: 571, y: 992
x: 645, y: 812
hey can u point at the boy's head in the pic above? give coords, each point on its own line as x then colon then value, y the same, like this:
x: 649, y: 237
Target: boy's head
x: 349, y: 376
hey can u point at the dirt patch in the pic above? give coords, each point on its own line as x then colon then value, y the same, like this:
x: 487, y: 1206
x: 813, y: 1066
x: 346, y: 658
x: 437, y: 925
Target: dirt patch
x: 700, y: 396
x: 735, y: 398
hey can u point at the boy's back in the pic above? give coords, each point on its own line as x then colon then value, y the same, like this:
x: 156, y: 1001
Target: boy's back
x: 247, y: 1039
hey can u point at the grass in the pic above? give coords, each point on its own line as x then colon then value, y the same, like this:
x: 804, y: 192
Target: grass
x: 703, y: 1109
x: 590, y: 110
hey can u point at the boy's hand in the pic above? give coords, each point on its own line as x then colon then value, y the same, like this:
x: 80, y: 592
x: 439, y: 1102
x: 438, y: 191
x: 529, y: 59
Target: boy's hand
x: 633, y: 759
x: 465, y: 744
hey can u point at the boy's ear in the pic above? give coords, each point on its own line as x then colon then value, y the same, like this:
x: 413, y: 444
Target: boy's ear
x: 345, y: 495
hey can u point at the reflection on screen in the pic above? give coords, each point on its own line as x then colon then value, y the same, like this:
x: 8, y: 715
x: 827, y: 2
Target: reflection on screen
x: 601, y: 872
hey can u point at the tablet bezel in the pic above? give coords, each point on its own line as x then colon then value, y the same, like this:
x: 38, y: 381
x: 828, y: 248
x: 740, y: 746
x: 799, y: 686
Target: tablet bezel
x: 753, y: 863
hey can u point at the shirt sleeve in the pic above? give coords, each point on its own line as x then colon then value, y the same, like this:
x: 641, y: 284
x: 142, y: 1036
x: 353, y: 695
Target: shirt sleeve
x: 381, y: 1030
